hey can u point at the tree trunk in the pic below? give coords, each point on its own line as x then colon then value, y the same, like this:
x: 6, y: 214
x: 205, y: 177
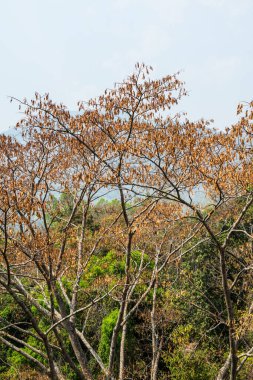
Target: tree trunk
x: 122, y: 347
x: 231, y: 322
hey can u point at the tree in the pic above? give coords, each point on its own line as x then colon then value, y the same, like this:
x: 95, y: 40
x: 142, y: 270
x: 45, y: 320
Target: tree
x: 75, y: 268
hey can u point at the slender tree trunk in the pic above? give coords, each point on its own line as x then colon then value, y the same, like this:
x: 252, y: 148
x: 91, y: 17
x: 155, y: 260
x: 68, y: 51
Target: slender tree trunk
x: 74, y: 339
x: 59, y: 374
x: 79, y: 266
x: 67, y: 357
x: 156, y: 346
x: 122, y: 347
x: 230, y: 312
x: 117, y: 327
x: 226, y: 291
x: 224, y: 369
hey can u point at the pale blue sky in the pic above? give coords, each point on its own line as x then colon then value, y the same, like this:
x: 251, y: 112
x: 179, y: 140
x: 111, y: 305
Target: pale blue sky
x: 75, y: 49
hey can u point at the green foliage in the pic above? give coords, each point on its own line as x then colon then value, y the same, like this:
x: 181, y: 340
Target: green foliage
x: 107, y: 327
x: 191, y: 365
x: 187, y: 362
x: 112, y: 265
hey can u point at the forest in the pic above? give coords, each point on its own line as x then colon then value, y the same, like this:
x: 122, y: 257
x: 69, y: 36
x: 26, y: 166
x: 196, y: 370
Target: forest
x: 126, y: 239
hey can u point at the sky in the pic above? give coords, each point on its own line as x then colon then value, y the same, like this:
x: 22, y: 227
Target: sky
x: 76, y: 49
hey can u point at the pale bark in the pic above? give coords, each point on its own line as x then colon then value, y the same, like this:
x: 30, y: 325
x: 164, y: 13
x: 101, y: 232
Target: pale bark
x: 122, y: 347
x: 223, y: 372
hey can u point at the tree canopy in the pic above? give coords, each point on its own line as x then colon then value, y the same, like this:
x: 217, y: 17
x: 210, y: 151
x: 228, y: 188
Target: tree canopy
x: 154, y: 284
